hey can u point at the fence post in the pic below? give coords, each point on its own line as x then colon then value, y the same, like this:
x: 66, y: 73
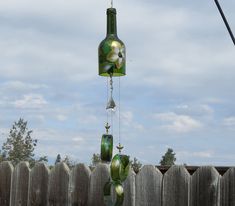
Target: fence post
x: 38, y: 185
x: 6, y: 170
x: 99, y: 177
x: 148, y: 186
x: 59, y: 185
x: 19, y: 184
x: 79, y: 185
x: 205, y: 187
x: 228, y: 188
x: 176, y: 187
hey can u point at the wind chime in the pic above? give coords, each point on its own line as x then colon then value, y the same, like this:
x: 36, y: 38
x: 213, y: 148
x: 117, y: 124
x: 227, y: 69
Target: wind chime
x: 112, y: 63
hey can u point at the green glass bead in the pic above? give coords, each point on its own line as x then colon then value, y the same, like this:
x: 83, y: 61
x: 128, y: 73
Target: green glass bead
x: 106, y: 147
x: 120, y: 167
x: 119, y: 194
x: 112, y: 52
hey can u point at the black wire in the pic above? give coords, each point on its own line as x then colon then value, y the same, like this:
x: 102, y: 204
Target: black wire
x: 225, y: 21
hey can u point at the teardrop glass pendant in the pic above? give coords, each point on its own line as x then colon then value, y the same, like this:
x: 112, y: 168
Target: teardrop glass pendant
x: 111, y: 104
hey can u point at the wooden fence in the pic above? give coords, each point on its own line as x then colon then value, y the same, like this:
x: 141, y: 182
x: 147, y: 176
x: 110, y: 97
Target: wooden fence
x: 40, y: 186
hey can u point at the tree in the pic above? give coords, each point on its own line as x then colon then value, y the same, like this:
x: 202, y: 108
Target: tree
x: 19, y: 145
x: 58, y: 159
x: 136, y: 165
x: 95, y: 160
x: 69, y: 162
x: 169, y: 158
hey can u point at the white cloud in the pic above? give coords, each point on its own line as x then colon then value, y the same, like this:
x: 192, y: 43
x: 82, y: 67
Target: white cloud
x: 30, y: 101
x: 229, y: 121
x: 195, y: 109
x: 78, y: 139
x: 195, y: 154
x: 61, y: 117
x: 178, y: 123
x: 127, y: 117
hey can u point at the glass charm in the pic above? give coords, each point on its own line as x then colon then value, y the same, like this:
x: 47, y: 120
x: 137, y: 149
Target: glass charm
x: 119, y: 193
x: 106, y: 147
x: 119, y: 168
x: 112, y: 52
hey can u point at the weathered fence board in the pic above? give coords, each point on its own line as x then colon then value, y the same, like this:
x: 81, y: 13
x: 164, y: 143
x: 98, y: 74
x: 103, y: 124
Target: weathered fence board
x: 97, y: 181
x: 19, y: 185
x: 79, y: 185
x: 148, y: 186
x: 59, y: 185
x: 228, y: 188
x: 205, y: 187
x: 129, y: 188
x: 176, y: 182
x: 6, y: 170
x: 38, y: 185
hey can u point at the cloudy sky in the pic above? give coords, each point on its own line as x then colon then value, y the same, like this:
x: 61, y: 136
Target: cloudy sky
x: 178, y: 91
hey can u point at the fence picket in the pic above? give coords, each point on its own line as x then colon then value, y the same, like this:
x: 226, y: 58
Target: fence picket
x: 129, y: 190
x: 97, y: 181
x: 79, y: 185
x: 205, y: 187
x: 38, y: 185
x: 6, y: 170
x: 176, y: 185
x: 59, y: 185
x: 19, y: 185
x: 228, y: 188
x: 148, y: 186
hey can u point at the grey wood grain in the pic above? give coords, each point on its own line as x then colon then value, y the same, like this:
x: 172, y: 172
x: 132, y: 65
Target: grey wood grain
x: 38, y: 185
x: 228, y: 188
x: 129, y: 189
x: 6, y: 170
x: 176, y: 187
x: 59, y: 185
x: 79, y: 185
x: 148, y: 186
x: 97, y: 181
x: 205, y: 187
x: 19, y: 185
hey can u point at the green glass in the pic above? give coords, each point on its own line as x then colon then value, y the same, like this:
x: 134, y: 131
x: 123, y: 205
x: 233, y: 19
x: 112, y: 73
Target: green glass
x: 112, y: 52
x: 119, y: 191
x: 106, y: 147
x: 120, y: 167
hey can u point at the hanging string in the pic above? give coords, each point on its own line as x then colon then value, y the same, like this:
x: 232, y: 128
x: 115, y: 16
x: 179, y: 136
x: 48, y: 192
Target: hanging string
x: 111, y: 3
x: 111, y: 94
x: 119, y: 115
x: 107, y: 98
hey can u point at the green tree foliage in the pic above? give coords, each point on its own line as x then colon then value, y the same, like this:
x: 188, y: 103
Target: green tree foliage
x: 58, y: 159
x: 169, y: 158
x: 69, y: 162
x: 136, y: 165
x: 19, y: 145
x: 95, y: 160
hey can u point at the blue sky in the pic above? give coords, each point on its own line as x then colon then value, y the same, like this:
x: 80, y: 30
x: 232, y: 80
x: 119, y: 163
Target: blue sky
x: 178, y: 91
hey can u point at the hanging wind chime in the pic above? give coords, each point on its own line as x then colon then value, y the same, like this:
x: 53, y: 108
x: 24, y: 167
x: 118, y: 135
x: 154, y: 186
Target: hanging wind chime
x: 112, y: 63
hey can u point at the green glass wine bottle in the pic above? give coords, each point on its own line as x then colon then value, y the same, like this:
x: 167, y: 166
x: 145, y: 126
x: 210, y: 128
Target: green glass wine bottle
x: 112, y: 52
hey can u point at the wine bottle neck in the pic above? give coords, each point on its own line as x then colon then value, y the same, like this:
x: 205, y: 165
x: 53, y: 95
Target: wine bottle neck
x: 111, y: 22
